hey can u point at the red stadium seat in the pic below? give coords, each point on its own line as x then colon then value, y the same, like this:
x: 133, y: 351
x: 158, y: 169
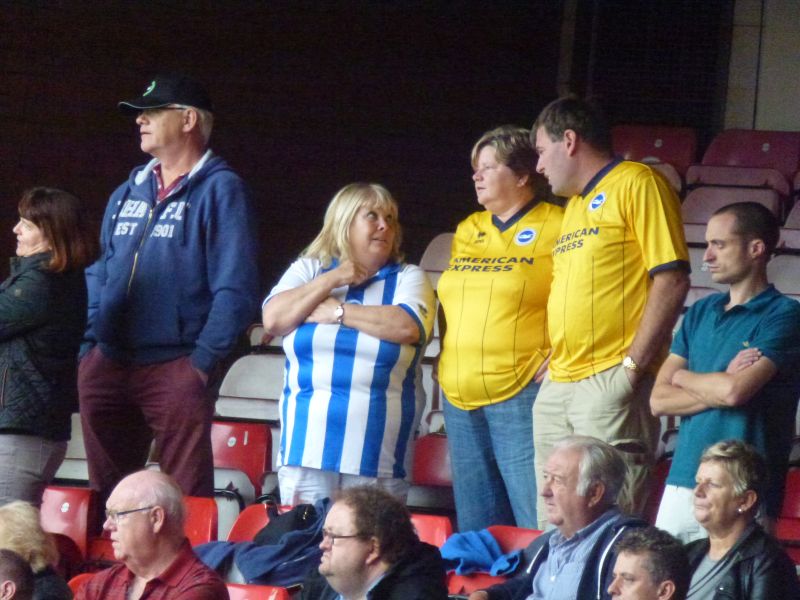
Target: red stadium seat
x: 702, y: 202
x: 787, y: 526
x: 431, y: 479
x: 66, y: 510
x: 201, y: 520
x: 432, y: 529
x: 738, y: 177
x: 778, y: 150
x: 509, y: 539
x: 513, y: 538
x: 250, y: 521
x: 78, y: 581
x: 245, y: 447
x: 676, y: 146
x: 432, y: 461
x: 750, y: 159
x: 657, y: 483
x: 241, y: 591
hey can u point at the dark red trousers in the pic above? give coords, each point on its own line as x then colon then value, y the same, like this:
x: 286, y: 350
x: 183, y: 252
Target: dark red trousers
x: 123, y: 407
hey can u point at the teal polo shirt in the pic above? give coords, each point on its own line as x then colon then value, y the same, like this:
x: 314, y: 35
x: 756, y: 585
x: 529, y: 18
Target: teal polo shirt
x: 708, y: 339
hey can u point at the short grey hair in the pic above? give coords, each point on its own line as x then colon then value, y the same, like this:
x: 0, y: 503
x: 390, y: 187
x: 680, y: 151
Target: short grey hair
x: 165, y: 492
x: 744, y: 464
x: 205, y: 122
x: 600, y: 463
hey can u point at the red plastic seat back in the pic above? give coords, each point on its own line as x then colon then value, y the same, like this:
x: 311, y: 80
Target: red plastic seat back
x: 509, y: 539
x: 779, y: 150
x: 702, y: 202
x: 657, y: 484
x: 513, y: 538
x: 249, y: 522
x: 432, y: 529
x: 432, y: 461
x: 791, y: 495
x: 240, y: 591
x: 66, y: 510
x: 201, y: 520
x: 78, y: 581
x: 246, y: 447
x: 676, y: 146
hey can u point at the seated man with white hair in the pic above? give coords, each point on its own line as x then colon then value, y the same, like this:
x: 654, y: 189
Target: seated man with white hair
x: 16, y: 577
x: 581, y: 481
x: 145, y: 515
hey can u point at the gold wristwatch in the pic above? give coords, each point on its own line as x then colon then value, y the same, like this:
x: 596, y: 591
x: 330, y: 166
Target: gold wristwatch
x: 629, y: 363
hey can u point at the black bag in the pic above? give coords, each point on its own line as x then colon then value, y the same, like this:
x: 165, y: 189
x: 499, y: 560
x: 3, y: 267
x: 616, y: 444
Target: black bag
x: 299, y: 517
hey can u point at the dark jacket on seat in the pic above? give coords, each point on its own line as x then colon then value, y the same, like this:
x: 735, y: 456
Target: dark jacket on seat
x: 597, y: 573
x: 420, y: 575
x: 42, y: 319
x: 761, y: 570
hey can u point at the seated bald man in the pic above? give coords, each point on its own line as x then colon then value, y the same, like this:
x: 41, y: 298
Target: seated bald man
x: 371, y: 552
x: 145, y: 515
x: 16, y: 577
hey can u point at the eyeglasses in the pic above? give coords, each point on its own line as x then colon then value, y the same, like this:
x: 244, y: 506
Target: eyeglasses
x: 115, y: 516
x: 327, y: 536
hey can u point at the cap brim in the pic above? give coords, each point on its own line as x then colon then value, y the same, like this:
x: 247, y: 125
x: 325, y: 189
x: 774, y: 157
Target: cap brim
x: 131, y: 106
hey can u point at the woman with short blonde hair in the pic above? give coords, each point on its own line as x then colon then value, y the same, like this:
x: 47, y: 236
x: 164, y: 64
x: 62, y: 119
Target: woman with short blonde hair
x: 21, y: 531
x: 739, y: 560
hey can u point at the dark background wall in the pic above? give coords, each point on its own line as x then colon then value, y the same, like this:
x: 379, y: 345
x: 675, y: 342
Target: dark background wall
x: 313, y: 95
x: 309, y: 96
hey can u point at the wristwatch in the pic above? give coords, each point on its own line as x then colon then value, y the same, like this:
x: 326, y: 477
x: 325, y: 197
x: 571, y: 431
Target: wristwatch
x: 339, y: 313
x: 629, y: 363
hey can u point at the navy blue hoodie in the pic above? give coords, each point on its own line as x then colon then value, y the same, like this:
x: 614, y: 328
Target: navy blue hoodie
x: 178, y: 277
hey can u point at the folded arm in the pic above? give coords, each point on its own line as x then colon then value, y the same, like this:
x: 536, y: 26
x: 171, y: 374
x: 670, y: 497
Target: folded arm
x: 389, y: 322
x: 678, y: 391
x: 287, y: 310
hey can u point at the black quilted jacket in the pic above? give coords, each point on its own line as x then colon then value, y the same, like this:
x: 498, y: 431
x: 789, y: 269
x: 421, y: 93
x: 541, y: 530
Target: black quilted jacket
x: 42, y: 320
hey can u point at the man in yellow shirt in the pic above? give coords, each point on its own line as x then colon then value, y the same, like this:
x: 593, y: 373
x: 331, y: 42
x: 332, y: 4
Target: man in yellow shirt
x: 620, y: 276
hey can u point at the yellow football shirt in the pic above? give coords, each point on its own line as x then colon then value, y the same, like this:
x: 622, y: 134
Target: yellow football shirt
x: 494, y: 295
x: 614, y: 237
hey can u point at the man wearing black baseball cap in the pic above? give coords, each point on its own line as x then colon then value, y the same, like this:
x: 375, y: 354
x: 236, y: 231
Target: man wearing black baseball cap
x: 174, y: 287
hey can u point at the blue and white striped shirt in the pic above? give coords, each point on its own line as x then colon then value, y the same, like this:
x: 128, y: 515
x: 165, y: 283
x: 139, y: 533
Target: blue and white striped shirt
x: 351, y: 402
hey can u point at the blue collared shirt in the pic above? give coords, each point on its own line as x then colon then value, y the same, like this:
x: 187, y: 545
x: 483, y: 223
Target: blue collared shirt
x: 560, y: 575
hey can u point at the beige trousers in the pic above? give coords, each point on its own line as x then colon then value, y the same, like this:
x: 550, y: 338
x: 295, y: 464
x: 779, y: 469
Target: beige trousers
x: 604, y: 406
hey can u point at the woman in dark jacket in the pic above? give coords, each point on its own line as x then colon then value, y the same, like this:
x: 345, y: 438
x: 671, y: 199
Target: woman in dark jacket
x: 739, y: 560
x: 43, y: 311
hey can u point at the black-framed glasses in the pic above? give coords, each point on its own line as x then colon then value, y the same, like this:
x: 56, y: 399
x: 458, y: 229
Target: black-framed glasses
x: 327, y: 536
x: 116, y: 515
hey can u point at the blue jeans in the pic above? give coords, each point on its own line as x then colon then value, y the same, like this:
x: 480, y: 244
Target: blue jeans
x: 491, y: 452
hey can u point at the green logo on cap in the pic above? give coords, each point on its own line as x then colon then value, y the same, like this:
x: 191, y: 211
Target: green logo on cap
x: 150, y: 88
